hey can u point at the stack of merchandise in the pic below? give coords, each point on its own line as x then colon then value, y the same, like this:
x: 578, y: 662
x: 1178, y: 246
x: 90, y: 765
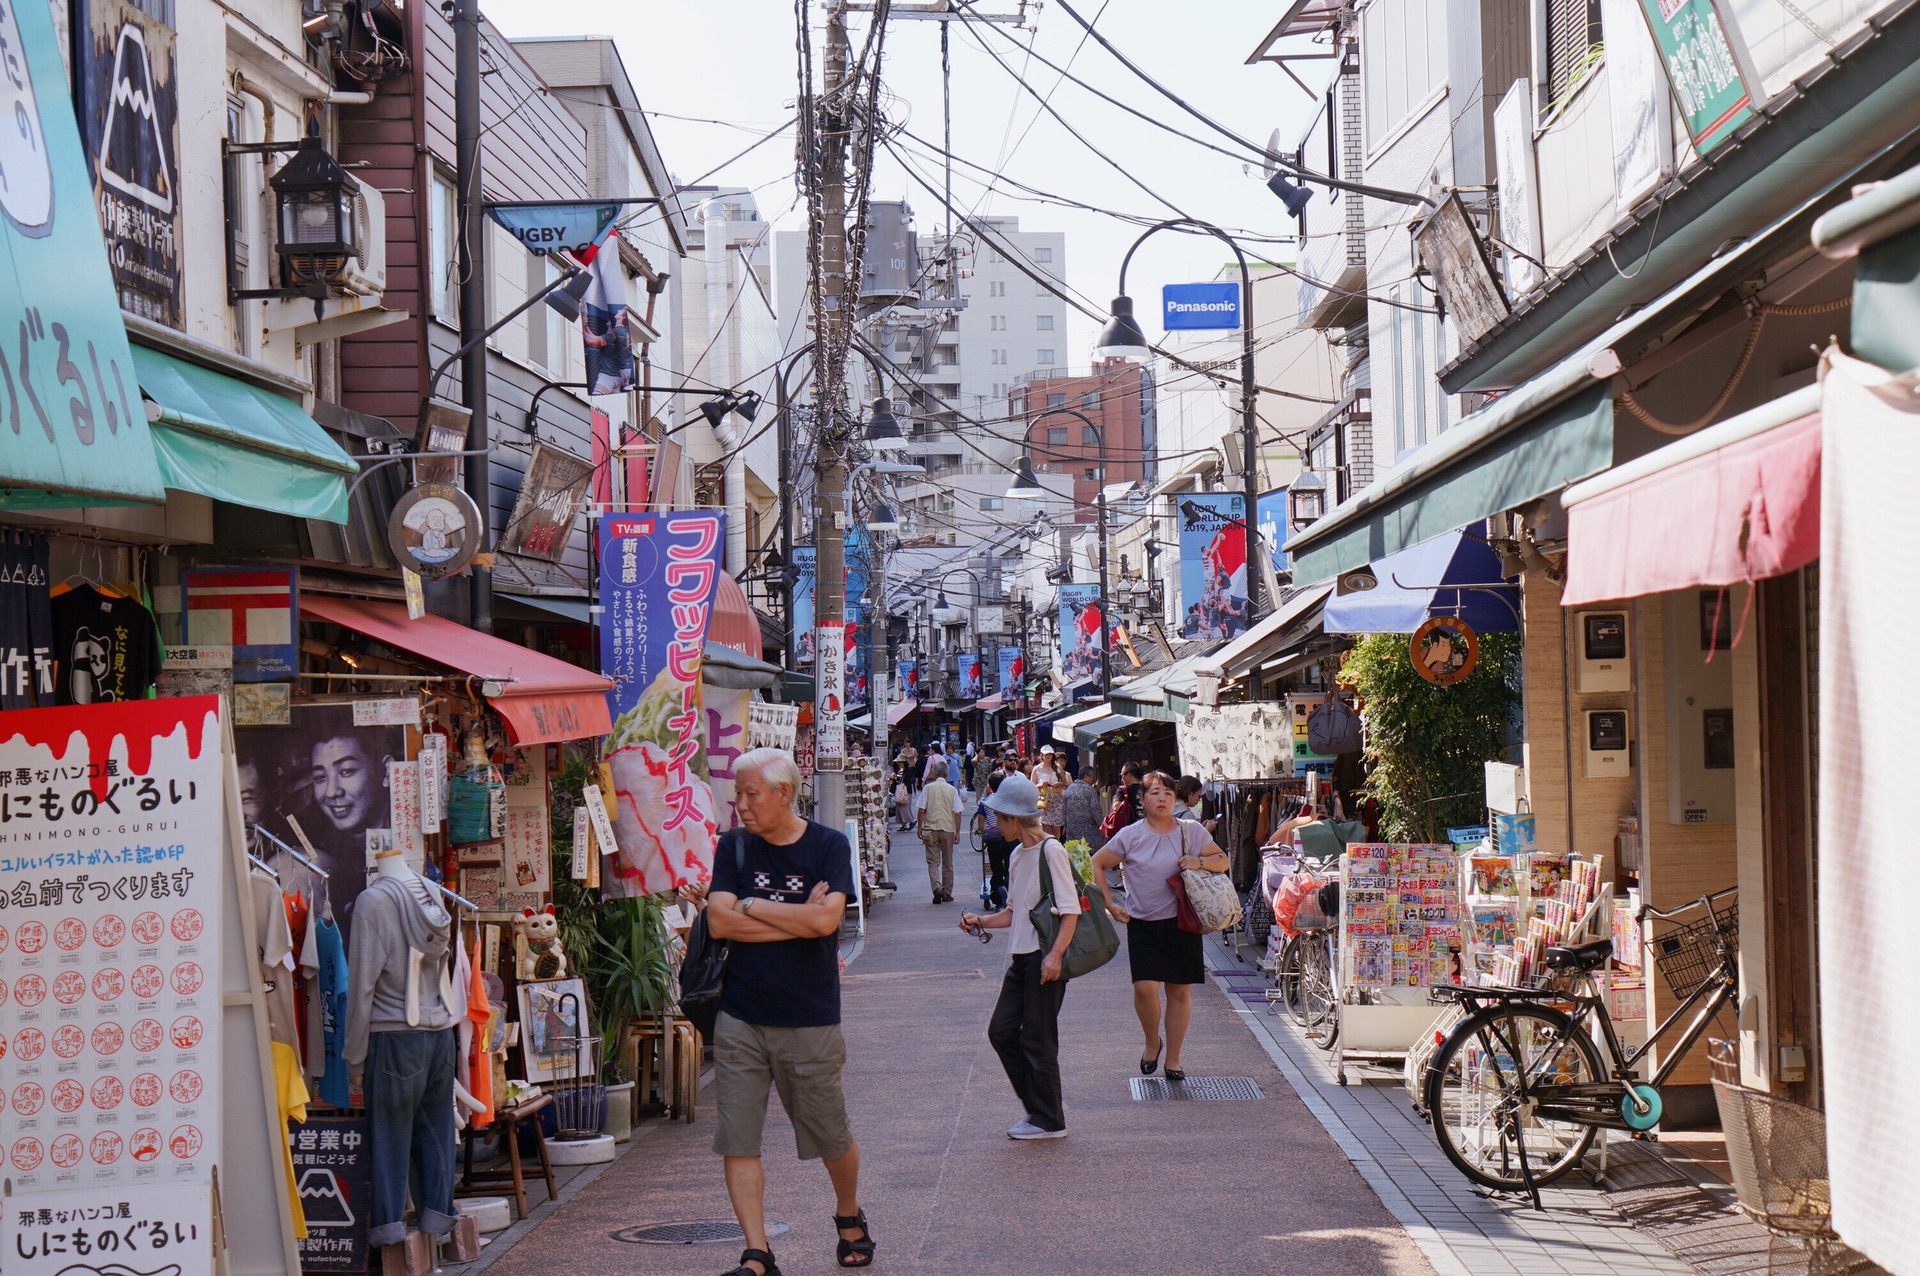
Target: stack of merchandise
x: 1402, y: 916
x: 867, y: 805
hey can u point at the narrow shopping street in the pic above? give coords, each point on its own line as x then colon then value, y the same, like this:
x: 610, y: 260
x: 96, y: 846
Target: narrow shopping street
x: 1251, y: 1186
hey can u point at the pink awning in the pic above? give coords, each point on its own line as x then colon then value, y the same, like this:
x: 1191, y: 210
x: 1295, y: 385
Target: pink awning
x: 733, y: 622
x: 1742, y: 511
x: 542, y: 699
x: 992, y: 703
x: 901, y: 710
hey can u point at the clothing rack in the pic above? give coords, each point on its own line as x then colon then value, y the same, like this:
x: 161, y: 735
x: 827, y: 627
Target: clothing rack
x: 455, y: 896
x: 262, y: 865
x: 299, y: 855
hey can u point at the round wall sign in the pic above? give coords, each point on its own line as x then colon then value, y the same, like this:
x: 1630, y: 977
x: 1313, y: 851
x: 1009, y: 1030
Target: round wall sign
x: 434, y: 530
x: 1445, y: 650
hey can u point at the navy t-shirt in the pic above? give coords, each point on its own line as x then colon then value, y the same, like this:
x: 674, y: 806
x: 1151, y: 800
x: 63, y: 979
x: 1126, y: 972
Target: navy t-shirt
x: 788, y: 983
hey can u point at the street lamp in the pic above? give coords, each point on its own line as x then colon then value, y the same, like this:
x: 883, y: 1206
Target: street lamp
x: 1025, y: 476
x: 883, y: 427
x: 1025, y: 487
x: 881, y: 519
x: 1122, y: 337
x: 1306, y: 500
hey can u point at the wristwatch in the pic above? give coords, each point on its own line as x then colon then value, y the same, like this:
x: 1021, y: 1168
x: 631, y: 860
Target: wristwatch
x: 746, y: 906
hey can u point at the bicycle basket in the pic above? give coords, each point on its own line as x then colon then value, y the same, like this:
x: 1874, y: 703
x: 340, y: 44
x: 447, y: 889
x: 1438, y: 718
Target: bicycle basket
x: 1688, y: 956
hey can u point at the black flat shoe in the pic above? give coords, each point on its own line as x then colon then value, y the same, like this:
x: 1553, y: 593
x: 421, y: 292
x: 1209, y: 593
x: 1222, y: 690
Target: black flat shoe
x: 1176, y: 1074
x: 854, y: 1253
x: 1147, y: 1066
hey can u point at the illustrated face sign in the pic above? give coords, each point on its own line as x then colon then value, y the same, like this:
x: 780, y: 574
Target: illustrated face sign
x: 435, y: 530
x: 1445, y: 650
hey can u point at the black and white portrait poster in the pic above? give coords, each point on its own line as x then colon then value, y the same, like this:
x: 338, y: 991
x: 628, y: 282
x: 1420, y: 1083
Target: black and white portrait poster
x: 330, y: 776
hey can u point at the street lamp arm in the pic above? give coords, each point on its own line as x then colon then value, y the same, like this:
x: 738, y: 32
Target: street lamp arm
x: 433, y: 383
x: 1195, y: 225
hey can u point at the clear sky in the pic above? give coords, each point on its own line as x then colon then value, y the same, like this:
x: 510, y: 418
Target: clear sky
x: 735, y: 60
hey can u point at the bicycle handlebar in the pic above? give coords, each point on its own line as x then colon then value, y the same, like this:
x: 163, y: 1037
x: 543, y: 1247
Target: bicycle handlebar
x: 1705, y: 901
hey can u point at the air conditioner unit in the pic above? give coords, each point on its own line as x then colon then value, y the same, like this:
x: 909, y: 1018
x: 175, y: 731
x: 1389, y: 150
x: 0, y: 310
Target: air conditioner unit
x: 365, y: 273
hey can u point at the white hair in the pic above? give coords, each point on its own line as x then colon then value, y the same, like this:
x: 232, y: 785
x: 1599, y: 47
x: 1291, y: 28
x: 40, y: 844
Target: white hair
x: 773, y: 766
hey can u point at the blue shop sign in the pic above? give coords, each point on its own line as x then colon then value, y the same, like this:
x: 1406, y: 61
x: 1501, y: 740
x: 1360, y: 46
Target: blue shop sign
x: 1189, y: 306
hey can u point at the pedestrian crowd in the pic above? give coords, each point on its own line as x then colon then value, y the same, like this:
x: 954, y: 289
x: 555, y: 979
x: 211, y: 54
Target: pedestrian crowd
x: 780, y: 888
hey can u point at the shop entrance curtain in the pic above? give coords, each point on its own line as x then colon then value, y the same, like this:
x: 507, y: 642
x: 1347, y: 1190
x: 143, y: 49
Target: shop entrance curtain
x: 1869, y: 753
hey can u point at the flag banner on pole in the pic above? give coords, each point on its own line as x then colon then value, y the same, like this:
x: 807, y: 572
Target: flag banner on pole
x: 803, y: 577
x: 1013, y: 672
x: 969, y: 675
x: 542, y: 228
x: 909, y: 679
x: 657, y: 579
x: 1080, y: 633
x: 604, y: 311
x: 1213, y: 565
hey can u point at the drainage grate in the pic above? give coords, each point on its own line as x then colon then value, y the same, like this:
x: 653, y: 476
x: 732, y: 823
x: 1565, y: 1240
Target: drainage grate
x: 699, y: 1231
x: 1195, y: 1088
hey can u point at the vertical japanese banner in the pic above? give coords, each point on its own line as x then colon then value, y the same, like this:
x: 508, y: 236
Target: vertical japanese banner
x: 112, y: 855
x: 804, y: 573
x: 1080, y: 633
x: 909, y: 679
x: 1013, y: 672
x: 657, y: 577
x: 1213, y: 565
x: 727, y: 732
x: 829, y: 701
x: 969, y: 675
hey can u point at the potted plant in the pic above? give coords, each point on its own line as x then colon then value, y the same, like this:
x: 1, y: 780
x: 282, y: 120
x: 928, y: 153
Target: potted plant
x: 632, y: 980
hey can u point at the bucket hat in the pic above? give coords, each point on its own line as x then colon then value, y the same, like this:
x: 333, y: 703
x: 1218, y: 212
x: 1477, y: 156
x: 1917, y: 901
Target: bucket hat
x: 1015, y: 796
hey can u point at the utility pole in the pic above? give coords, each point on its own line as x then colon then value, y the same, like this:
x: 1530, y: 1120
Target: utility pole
x: 833, y: 331
x: 472, y: 265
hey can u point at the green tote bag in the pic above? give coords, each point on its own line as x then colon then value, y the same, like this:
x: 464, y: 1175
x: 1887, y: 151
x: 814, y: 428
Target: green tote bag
x: 1094, y: 941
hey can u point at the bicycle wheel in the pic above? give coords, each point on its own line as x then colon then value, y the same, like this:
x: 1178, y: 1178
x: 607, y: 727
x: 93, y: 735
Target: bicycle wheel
x: 973, y: 834
x: 1316, y: 985
x: 1286, y: 978
x: 1476, y: 1105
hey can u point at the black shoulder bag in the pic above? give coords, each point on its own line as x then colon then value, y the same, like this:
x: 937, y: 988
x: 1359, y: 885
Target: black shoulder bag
x: 703, y: 972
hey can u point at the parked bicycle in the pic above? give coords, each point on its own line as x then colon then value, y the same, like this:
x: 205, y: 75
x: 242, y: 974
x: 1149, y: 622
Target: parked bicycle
x: 1519, y: 1089
x: 1306, y: 976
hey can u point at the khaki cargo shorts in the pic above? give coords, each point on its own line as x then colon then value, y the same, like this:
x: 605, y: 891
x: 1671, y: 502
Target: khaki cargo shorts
x: 803, y: 1064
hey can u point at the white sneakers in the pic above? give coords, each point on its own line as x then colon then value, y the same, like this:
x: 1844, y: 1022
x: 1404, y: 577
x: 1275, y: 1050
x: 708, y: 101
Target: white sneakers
x: 1027, y: 1130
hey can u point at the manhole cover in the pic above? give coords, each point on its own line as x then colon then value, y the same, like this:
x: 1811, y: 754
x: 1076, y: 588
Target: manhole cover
x: 1195, y: 1088
x: 699, y: 1231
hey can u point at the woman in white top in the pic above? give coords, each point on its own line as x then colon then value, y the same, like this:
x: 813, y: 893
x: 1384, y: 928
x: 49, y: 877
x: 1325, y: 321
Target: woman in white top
x: 1153, y: 849
x: 1025, y: 1030
x: 1051, y: 778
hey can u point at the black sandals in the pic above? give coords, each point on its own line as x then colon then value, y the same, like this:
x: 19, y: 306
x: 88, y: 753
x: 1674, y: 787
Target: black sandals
x: 854, y: 1253
x: 762, y: 1256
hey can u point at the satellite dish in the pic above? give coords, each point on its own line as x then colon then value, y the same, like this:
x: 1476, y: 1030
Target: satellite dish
x: 1272, y: 163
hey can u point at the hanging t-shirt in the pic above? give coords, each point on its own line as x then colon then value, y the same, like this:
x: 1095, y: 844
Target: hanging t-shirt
x: 27, y: 663
x: 788, y: 983
x: 107, y: 645
x: 333, y: 1007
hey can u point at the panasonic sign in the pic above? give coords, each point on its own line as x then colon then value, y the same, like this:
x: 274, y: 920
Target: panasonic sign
x: 1189, y: 306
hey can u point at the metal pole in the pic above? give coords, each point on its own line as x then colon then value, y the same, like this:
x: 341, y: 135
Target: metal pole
x: 877, y: 654
x: 472, y: 265
x: 833, y: 324
x: 1106, y: 616
x: 1250, y: 427
x: 785, y: 445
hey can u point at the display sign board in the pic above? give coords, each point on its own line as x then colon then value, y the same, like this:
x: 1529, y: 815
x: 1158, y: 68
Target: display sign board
x: 1237, y: 742
x: 1270, y: 512
x: 1213, y: 565
x: 130, y: 106
x: 1197, y: 306
x: 1519, y: 192
x: 435, y: 530
x: 1013, y: 671
x: 196, y: 671
x: 553, y: 491
x: 570, y: 227
x: 829, y: 702
x: 333, y: 1168
x: 1081, y: 633
x: 1637, y: 103
x: 164, y: 1229
x: 804, y: 571
x: 1708, y: 69
x: 969, y: 663
x: 250, y: 610
x: 1448, y: 245
x: 772, y: 726
x: 115, y: 852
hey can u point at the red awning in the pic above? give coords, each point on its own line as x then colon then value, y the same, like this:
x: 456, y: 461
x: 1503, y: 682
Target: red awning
x: 733, y: 622
x: 542, y: 699
x: 901, y: 710
x: 991, y: 704
x: 1744, y: 510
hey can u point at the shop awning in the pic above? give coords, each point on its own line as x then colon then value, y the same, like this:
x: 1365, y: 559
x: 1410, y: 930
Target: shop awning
x: 1270, y: 635
x: 1063, y: 726
x: 221, y: 437
x: 722, y: 666
x: 543, y: 700
x: 1427, y: 580
x: 1737, y: 501
x: 896, y: 712
x: 733, y: 620
x: 1553, y: 431
x: 990, y: 704
x: 1088, y: 734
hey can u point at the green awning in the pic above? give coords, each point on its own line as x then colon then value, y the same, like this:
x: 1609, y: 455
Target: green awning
x: 1471, y: 477
x: 235, y: 442
x: 74, y: 433
x: 1087, y: 734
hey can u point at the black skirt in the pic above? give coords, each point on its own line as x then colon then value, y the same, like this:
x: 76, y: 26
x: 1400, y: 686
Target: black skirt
x: 1160, y: 952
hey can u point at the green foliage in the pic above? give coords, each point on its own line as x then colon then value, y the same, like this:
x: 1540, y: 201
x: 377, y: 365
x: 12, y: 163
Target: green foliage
x: 618, y: 946
x: 1427, y: 746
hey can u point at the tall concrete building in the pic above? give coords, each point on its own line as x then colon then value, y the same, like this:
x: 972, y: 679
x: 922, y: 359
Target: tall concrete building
x: 967, y: 324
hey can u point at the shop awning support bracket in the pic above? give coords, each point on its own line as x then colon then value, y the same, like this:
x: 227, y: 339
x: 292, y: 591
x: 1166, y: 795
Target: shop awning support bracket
x: 368, y: 464
x: 1496, y: 590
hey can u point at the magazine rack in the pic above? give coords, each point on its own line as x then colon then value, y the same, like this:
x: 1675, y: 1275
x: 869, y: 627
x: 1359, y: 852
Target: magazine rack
x: 1386, y: 891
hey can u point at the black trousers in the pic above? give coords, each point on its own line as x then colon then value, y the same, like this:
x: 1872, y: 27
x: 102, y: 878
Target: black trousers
x: 1025, y: 1033
x: 999, y: 861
